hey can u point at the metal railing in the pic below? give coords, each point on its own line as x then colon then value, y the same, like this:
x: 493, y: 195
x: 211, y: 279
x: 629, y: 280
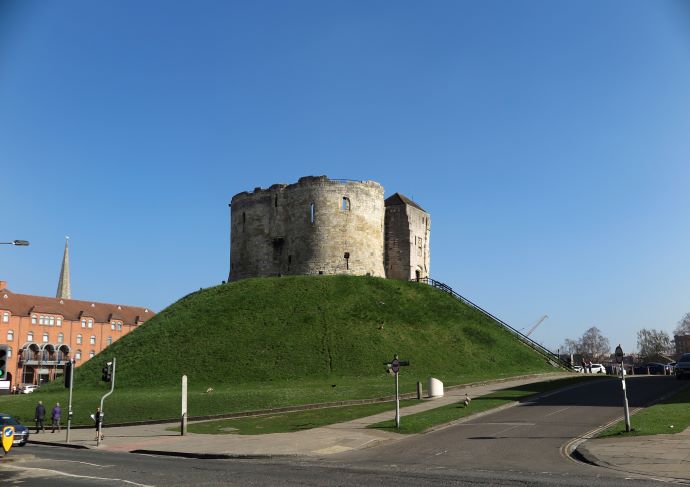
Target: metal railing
x: 545, y: 352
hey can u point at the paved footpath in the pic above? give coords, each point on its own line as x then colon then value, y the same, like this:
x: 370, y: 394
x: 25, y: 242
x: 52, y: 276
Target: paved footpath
x: 666, y: 456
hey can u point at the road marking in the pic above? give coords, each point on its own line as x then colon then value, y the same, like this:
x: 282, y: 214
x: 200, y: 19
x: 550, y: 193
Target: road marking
x: 48, y: 471
x: 556, y: 412
x: 83, y: 463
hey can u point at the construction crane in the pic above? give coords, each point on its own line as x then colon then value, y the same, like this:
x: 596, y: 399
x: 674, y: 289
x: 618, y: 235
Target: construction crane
x: 534, y: 327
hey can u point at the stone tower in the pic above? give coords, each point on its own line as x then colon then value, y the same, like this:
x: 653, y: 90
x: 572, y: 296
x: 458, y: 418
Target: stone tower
x: 315, y: 226
x: 407, y: 233
x: 64, y: 290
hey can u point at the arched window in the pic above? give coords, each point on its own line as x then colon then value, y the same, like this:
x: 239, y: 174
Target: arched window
x: 109, y: 341
x: 45, y: 338
x: 5, y: 317
x: 345, y: 206
x: 312, y: 213
x: 30, y: 336
x: 61, y: 337
x: 79, y: 339
x: 93, y: 340
x: 77, y: 355
x: 9, y: 352
x: 10, y: 335
x: 91, y: 354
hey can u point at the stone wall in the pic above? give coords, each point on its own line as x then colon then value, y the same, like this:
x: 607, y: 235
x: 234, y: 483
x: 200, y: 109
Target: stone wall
x: 315, y: 226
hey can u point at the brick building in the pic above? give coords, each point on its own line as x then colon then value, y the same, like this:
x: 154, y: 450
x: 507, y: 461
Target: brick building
x: 42, y: 333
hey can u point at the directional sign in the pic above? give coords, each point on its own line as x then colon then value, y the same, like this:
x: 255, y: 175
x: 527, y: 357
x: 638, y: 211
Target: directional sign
x: 7, y: 437
x: 619, y: 354
x: 395, y: 366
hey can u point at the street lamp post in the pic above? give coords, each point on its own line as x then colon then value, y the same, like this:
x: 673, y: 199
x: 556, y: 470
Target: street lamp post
x: 20, y: 243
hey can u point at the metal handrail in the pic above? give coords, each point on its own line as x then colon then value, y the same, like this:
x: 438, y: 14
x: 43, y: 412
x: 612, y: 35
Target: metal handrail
x: 522, y: 337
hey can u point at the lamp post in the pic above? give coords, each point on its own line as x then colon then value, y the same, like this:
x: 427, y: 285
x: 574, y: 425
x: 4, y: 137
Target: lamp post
x: 20, y: 243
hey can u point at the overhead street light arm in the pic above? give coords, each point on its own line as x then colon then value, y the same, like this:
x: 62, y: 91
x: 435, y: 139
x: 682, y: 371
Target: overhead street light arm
x: 21, y: 243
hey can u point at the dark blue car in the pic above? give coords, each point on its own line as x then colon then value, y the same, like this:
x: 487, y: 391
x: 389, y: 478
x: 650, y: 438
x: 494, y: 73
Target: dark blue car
x: 21, y: 432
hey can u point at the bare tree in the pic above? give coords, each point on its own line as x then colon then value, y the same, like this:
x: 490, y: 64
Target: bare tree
x: 570, y: 346
x: 653, y: 342
x: 594, y: 344
x: 683, y: 327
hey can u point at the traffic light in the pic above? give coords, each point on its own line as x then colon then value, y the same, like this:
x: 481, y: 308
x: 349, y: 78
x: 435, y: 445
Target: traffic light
x: 3, y: 361
x: 68, y: 374
x: 105, y: 377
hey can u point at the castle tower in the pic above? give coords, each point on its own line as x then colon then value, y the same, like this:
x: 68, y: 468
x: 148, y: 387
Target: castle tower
x: 407, y: 234
x: 314, y: 226
x: 64, y: 291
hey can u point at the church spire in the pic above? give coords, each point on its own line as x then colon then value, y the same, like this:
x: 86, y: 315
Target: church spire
x: 63, y: 290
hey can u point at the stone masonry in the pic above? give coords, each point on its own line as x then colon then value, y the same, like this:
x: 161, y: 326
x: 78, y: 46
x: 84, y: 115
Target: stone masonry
x: 324, y: 226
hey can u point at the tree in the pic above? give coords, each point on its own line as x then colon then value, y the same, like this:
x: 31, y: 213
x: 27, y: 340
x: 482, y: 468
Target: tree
x: 683, y: 327
x: 594, y: 344
x: 653, y: 342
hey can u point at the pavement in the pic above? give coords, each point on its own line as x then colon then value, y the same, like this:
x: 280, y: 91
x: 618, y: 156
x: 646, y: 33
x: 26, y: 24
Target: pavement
x: 658, y: 456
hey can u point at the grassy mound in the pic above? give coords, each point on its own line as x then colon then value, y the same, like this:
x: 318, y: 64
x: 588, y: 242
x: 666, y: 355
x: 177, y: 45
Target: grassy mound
x: 308, y: 327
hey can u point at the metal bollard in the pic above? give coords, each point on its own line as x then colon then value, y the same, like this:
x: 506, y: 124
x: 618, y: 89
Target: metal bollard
x: 419, y: 390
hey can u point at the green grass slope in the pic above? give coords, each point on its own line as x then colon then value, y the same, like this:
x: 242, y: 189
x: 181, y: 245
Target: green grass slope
x: 313, y: 328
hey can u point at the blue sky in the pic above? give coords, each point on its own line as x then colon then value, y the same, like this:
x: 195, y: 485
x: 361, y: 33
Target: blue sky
x: 550, y: 141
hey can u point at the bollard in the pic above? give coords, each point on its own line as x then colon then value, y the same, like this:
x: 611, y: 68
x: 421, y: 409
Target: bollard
x: 419, y: 390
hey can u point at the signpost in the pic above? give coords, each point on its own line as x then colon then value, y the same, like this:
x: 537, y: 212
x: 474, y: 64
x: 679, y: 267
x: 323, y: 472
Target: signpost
x: 619, y: 360
x: 7, y: 438
x: 394, y: 365
x: 112, y: 388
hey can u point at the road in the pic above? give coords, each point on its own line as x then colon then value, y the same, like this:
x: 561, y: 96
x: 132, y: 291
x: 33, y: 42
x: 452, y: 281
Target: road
x: 523, y: 445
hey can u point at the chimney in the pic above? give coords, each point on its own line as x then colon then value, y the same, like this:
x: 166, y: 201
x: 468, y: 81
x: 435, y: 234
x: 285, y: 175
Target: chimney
x: 3, y: 285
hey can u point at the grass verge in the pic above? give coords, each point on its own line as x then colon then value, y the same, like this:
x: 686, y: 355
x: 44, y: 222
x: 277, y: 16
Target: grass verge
x: 671, y: 415
x: 291, y: 422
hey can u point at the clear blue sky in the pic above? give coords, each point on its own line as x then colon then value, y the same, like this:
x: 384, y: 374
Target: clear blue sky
x: 550, y: 141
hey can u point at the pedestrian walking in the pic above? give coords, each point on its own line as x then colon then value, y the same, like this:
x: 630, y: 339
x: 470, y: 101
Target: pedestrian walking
x: 55, y: 416
x: 98, y: 418
x: 40, y: 416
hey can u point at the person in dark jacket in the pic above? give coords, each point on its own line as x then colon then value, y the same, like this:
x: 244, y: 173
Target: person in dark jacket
x: 40, y: 416
x: 98, y: 417
x: 55, y: 416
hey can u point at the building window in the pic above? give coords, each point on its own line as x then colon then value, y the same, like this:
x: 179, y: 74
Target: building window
x: 42, y: 320
x: 33, y: 319
x: 9, y: 352
x: 59, y: 322
x: 119, y: 327
x: 112, y: 325
x: 90, y: 323
x: 275, y: 201
x: 10, y: 335
x: 77, y: 355
x: 51, y: 320
x: 109, y: 341
x: 93, y: 340
x: 61, y: 337
x: 30, y: 336
x: 83, y: 323
x: 79, y: 339
x: 45, y: 338
x: 5, y: 317
x: 345, y: 206
x: 91, y: 354
x: 312, y: 213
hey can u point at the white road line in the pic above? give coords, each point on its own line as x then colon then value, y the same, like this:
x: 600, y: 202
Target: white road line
x: 83, y: 463
x: 65, y: 474
x: 556, y: 412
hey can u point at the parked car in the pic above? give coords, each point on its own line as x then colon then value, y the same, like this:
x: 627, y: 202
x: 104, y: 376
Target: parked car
x: 577, y: 368
x: 597, y: 369
x: 21, y: 432
x: 654, y: 368
x: 682, y: 368
x: 27, y: 388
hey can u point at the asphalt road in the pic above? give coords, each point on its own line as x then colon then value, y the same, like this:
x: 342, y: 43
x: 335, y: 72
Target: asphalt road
x: 523, y: 445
